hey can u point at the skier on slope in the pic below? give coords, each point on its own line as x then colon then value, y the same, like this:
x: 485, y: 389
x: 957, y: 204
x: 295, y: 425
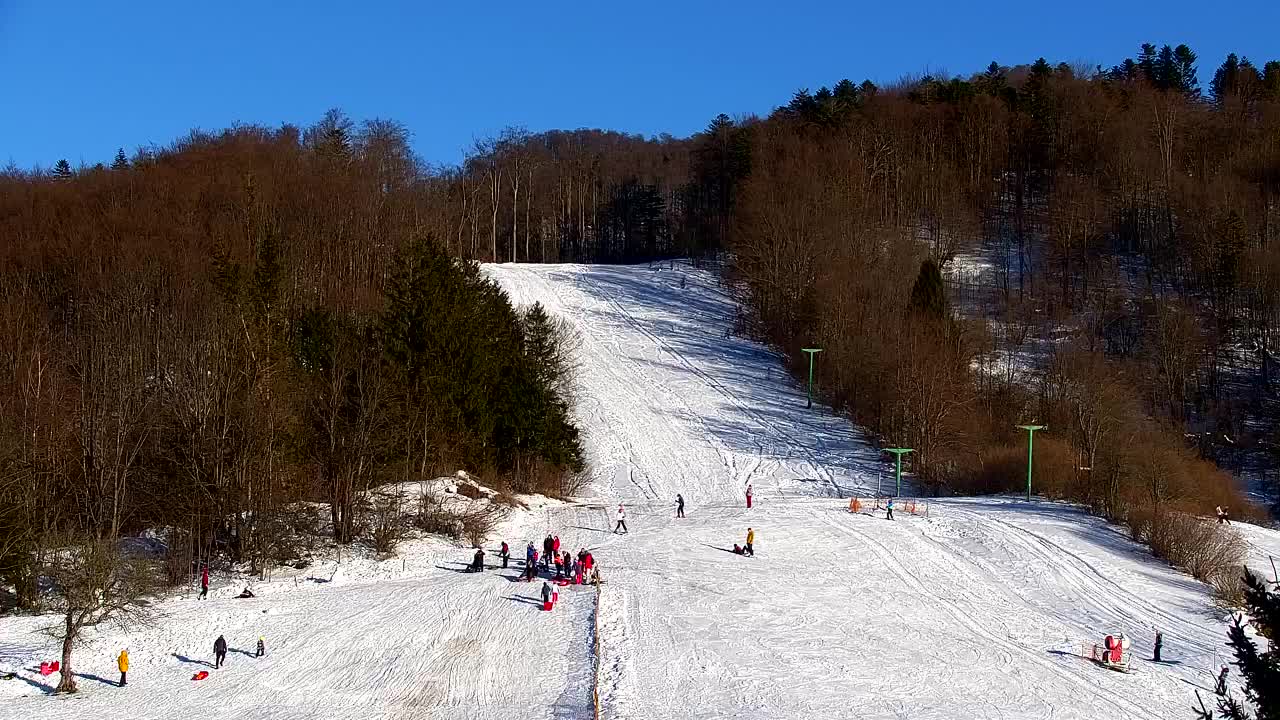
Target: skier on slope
x: 679, y: 505
x: 888, y: 510
x: 622, y: 520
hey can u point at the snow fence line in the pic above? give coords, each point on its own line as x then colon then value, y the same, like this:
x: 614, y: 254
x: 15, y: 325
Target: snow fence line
x: 910, y: 506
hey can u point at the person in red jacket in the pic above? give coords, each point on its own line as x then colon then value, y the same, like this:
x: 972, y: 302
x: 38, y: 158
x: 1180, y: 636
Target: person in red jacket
x: 204, y: 582
x: 555, y: 544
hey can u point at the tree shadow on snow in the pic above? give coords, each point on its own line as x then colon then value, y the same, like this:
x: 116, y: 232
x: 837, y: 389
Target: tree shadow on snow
x: 185, y: 659
x: 36, y: 683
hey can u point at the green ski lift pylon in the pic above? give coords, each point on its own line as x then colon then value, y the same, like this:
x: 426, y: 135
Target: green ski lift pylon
x: 812, y: 352
x: 897, y: 472
x: 1031, y: 437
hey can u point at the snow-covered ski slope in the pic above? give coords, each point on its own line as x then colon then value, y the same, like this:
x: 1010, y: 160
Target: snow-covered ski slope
x: 672, y: 404
x: 976, y: 611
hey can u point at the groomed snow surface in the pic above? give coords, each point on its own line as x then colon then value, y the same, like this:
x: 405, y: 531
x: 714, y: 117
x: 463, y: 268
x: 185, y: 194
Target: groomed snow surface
x: 976, y: 611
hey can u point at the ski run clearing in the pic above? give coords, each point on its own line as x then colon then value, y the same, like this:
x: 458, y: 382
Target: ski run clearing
x: 978, y: 610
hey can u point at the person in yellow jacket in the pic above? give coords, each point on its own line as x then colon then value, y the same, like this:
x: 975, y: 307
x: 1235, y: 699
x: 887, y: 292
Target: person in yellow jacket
x: 123, y: 663
x: 751, y: 537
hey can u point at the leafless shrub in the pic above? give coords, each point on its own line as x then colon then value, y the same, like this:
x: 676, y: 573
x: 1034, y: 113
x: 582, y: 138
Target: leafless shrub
x: 506, y: 499
x: 432, y: 517
x: 478, y: 523
x: 469, y: 491
x: 1210, y: 552
x: 386, y: 520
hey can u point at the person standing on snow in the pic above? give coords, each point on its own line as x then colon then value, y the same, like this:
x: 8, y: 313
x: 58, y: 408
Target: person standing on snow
x: 748, y: 496
x: 262, y: 648
x: 506, y: 554
x: 751, y: 538
x: 622, y: 521
x: 679, y: 505
x: 1221, y: 687
x: 1159, y: 646
x: 546, y: 592
x: 555, y: 544
x: 219, y: 652
x: 548, y: 547
x: 122, y: 662
x: 888, y: 510
x: 477, y: 561
x: 204, y: 582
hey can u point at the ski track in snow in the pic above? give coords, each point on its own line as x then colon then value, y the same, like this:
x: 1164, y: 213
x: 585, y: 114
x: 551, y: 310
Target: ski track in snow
x: 977, y: 611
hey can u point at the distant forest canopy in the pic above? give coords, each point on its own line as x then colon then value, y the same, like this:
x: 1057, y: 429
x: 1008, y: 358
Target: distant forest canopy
x: 207, y: 332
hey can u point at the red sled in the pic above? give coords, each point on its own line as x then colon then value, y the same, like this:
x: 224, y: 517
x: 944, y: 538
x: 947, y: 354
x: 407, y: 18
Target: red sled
x: 562, y: 583
x: 200, y: 675
x: 547, y: 605
x: 49, y: 668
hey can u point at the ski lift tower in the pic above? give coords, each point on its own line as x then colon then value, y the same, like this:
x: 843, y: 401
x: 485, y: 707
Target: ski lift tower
x: 811, y: 352
x: 897, y: 472
x: 1031, y: 436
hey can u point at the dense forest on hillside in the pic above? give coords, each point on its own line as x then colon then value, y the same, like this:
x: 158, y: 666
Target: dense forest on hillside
x: 1105, y: 240
x: 198, y: 335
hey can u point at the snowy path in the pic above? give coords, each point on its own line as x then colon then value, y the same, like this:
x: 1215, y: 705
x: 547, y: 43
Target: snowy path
x: 976, y: 611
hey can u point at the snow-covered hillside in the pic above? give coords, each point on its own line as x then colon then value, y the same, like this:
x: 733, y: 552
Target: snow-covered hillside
x: 975, y: 611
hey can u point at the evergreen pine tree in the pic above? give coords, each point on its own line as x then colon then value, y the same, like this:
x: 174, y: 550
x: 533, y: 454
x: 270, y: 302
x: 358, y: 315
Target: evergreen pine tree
x: 1271, y: 79
x: 1147, y: 63
x: 62, y: 170
x: 1225, y: 78
x: 1260, y: 670
x: 928, y: 294
x: 1184, y: 62
x: 121, y: 162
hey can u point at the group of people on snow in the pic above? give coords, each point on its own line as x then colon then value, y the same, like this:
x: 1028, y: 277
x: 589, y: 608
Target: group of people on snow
x: 579, y: 570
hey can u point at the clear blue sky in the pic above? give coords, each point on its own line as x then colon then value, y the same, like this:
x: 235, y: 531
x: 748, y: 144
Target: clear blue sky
x: 79, y: 79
